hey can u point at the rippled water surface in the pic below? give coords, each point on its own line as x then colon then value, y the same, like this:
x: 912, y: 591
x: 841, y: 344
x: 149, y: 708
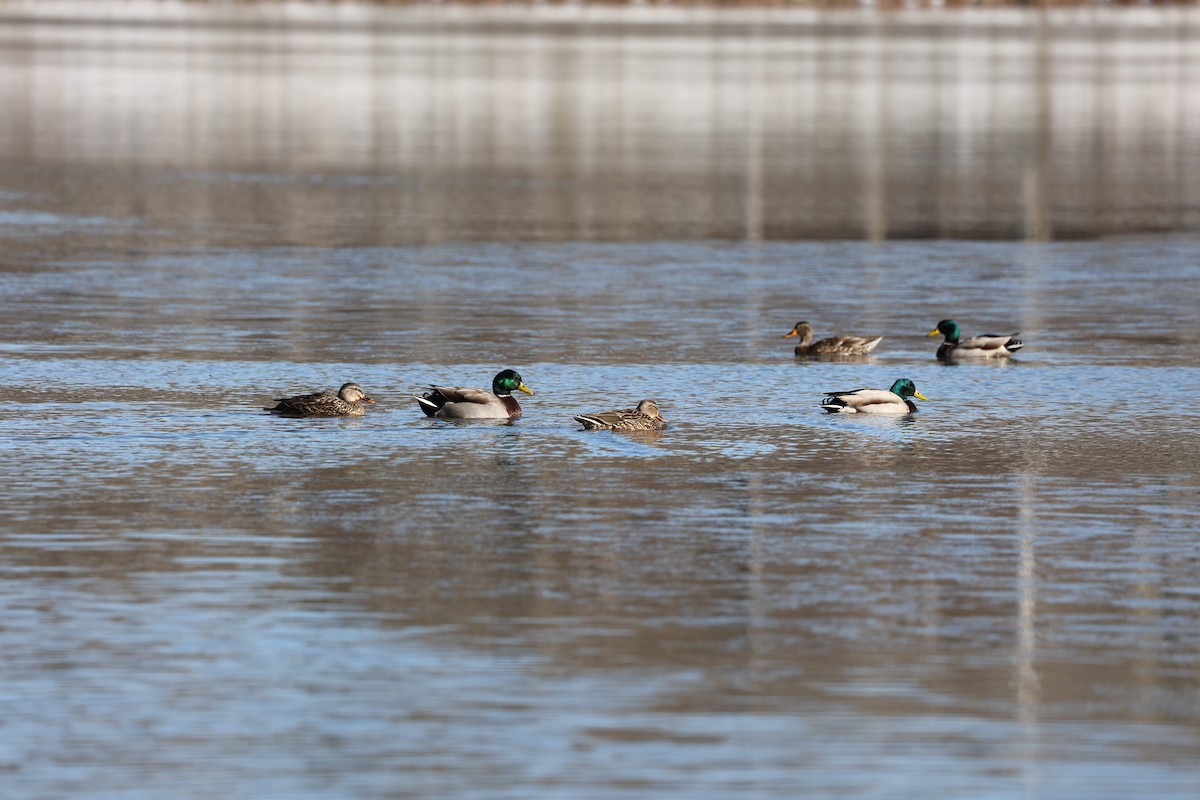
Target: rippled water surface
x: 996, y: 597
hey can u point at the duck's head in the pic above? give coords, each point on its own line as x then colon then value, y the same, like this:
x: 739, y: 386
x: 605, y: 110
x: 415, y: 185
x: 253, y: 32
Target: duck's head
x: 801, y: 329
x: 650, y: 409
x: 906, y: 389
x: 509, y: 381
x: 947, y: 328
x: 353, y: 393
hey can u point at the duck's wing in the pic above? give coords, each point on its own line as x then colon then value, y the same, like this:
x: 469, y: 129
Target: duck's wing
x: 989, y: 344
x: 850, y: 392
x: 464, y: 394
x: 299, y: 404
x: 847, y: 345
x: 610, y: 419
x: 870, y: 397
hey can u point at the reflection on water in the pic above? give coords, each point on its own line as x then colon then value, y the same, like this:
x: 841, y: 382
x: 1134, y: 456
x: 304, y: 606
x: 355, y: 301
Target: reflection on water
x: 379, y: 125
x: 994, y: 597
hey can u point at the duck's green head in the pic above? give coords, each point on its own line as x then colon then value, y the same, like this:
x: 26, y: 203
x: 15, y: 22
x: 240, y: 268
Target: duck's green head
x: 906, y: 389
x: 947, y: 328
x: 509, y: 381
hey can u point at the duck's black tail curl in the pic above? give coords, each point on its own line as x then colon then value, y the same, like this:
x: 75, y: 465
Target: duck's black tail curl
x: 833, y: 404
x: 430, y: 402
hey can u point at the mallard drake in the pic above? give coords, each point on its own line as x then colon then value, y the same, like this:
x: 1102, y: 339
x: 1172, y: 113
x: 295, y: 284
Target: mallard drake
x: 643, y: 418
x: 348, y: 402
x: 455, y: 402
x: 987, y: 346
x: 875, y: 401
x: 833, y: 346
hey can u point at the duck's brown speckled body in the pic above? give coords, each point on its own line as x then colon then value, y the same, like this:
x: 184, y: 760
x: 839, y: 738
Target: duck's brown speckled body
x: 645, y: 417
x: 348, y: 402
x: 833, y: 346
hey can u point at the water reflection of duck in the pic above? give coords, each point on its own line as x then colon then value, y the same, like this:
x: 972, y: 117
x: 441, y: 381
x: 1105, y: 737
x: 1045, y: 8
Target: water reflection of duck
x: 987, y: 346
x: 643, y: 418
x: 874, y: 401
x: 457, y: 402
x: 833, y: 346
x: 348, y: 402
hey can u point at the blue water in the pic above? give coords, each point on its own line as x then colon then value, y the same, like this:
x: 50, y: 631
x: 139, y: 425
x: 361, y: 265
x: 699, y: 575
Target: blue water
x: 994, y: 597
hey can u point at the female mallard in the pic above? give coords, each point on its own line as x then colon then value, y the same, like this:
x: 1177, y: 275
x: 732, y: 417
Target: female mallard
x: 643, y: 418
x: 833, y: 346
x: 875, y: 401
x: 986, y: 346
x: 446, y: 402
x: 348, y: 402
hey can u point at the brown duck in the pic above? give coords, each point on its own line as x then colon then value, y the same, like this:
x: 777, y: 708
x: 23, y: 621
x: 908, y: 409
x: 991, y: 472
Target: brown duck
x: 348, y: 402
x: 643, y: 418
x: 833, y: 346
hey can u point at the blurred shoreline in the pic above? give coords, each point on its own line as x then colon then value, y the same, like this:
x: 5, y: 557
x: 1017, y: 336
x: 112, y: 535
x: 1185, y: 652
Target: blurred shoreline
x: 764, y: 18
x: 559, y: 11
x: 324, y: 124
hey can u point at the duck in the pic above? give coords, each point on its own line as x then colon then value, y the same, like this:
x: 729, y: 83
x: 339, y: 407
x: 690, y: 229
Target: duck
x: 348, y: 402
x: 833, y: 346
x: 456, y: 402
x: 875, y: 401
x: 987, y: 346
x: 643, y: 418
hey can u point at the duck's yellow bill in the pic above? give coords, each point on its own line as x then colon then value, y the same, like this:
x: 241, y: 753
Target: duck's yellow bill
x: 790, y: 334
x: 525, y: 389
x: 933, y: 332
x: 920, y: 396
